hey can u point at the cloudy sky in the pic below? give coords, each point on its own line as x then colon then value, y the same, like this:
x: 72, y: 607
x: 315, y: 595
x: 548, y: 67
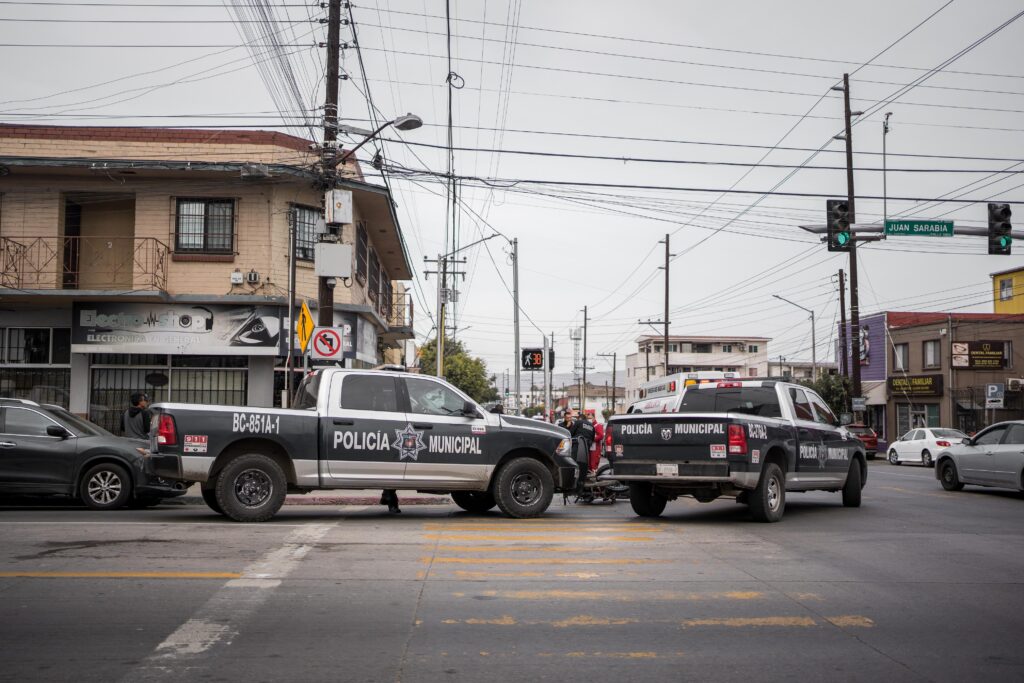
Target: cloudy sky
x: 589, y: 130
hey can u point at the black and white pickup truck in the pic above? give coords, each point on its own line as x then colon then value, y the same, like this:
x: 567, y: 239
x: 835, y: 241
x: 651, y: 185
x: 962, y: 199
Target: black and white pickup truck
x: 752, y: 440
x: 359, y: 429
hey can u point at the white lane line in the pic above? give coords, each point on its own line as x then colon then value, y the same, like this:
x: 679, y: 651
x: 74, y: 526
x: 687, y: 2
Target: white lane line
x: 220, y: 619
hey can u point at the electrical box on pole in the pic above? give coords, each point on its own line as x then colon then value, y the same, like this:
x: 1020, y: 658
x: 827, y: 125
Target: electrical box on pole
x: 999, y: 239
x: 838, y: 221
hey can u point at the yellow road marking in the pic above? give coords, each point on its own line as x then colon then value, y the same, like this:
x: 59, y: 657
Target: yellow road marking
x: 851, y: 620
x: 611, y: 528
x: 751, y: 621
x: 529, y: 560
x: 518, y: 548
x: 500, y: 621
x: 531, y: 537
x: 612, y: 655
x: 507, y: 575
x: 586, y: 620
x: 120, y: 575
x: 614, y: 596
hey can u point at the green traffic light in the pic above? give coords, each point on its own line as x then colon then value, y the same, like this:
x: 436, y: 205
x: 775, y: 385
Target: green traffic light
x: 842, y: 238
x: 1005, y: 241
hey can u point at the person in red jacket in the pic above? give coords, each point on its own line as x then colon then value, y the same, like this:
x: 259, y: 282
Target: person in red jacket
x: 595, y: 448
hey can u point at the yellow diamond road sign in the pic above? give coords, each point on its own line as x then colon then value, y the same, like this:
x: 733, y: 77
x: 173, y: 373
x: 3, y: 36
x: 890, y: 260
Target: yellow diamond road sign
x: 304, y: 327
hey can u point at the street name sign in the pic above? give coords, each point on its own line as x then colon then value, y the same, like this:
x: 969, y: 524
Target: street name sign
x: 919, y: 228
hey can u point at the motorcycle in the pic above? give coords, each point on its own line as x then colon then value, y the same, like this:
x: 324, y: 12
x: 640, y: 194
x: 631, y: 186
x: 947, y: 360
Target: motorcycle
x: 588, y: 488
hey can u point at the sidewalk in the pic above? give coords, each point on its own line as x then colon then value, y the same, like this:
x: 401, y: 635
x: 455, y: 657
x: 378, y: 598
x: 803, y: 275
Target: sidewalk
x: 333, y: 497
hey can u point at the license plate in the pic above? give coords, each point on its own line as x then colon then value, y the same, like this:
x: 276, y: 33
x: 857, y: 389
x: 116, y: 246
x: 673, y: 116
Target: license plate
x: 667, y: 470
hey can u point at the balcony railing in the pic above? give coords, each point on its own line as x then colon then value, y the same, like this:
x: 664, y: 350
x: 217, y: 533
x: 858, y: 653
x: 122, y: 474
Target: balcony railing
x: 397, y: 310
x: 84, y: 263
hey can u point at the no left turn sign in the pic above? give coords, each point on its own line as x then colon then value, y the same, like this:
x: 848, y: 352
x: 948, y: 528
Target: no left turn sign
x: 326, y: 344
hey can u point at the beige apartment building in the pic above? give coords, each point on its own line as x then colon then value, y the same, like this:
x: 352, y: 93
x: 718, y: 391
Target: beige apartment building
x: 157, y: 260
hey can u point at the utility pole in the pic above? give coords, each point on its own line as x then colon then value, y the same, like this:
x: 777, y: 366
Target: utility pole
x: 667, y: 257
x: 850, y: 197
x: 583, y: 387
x: 614, y: 357
x: 844, y: 351
x: 515, y: 304
x: 443, y: 295
x: 647, y: 359
x: 548, y: 377
x: 325, y: 294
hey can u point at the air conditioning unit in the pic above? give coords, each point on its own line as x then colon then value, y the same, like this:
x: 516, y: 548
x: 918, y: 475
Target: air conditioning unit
x: 1014, y: 384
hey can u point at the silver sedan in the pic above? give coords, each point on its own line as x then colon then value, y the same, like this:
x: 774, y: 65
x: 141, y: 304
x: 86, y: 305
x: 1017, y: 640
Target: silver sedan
x: 994, y: 457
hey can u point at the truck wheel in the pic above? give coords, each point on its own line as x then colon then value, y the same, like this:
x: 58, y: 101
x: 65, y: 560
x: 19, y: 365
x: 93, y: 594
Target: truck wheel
x: 474, y: 501
x: 524, y: 488
x: 768, y: 500
x: 250, y: 488
x: 645, y: 502
x: 105, y: 487
x: 210, y: 498
x: 852, y: 487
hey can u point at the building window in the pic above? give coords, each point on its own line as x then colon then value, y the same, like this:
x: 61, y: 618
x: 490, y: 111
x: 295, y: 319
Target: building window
x: 673, y: 348
x: 753, y: 372
x: 387, y: 296
x: 1006, y: 289
x: 362, y: 249
x: 373, y: 288
x: 306, y: 220
x: 35, y: 346
x: 901, y: 357
x: 702, y: 348
x: 931, y: 354
x: 1008, y: 354
x: 752, y: 348
x: 726, y: 348
x: 205, y: 225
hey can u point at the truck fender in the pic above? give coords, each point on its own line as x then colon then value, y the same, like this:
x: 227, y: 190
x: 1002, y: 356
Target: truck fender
x: 266, y: 447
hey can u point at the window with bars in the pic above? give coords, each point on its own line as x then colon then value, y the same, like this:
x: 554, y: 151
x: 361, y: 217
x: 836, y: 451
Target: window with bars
x: 362, y: 247
x: 205, y: 226
x: 373, y: 288
x: 306, y: 220
x: 387, y: 296
x: 35, y: 346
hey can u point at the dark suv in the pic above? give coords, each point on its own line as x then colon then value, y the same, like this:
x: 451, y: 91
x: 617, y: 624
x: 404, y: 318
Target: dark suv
x: 44, y: 449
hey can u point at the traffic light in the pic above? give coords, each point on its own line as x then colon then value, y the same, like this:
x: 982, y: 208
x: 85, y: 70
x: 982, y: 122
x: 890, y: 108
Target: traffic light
x: 839, y: 235
x: 999, y: 239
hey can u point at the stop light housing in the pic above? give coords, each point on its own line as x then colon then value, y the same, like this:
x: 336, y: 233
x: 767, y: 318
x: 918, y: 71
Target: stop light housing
x: 1000, y: 241
x: 840, y: 236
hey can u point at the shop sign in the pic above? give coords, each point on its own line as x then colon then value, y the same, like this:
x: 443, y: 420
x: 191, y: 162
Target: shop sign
x: 979, y: 355
x: 910, y: 386
x: 187, y: 329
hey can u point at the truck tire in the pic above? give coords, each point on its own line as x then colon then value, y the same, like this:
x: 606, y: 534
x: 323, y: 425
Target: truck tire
x: 210, y: 498
x: 768, y: 501
x: 250, y: 488
x: 523, y: 488
x: 474, y: 501
x: 853, y: 486
x: 106, y: 486
x: 645, y: 502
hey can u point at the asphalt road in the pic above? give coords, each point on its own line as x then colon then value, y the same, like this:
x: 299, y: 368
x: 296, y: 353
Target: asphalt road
x: 918, y: 584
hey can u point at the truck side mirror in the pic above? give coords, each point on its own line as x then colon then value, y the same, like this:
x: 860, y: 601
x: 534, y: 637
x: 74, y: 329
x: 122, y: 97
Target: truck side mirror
x: 469, y: 410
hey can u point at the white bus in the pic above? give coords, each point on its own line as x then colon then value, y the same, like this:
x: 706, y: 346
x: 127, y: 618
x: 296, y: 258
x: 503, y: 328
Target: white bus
x: 662, y: 395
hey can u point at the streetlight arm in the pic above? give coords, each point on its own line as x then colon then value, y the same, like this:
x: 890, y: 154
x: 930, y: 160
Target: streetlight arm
x: 780, y: 298
x: 344, y: 157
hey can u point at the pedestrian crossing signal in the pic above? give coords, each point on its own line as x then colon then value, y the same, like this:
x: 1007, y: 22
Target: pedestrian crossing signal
x: 533, y: 359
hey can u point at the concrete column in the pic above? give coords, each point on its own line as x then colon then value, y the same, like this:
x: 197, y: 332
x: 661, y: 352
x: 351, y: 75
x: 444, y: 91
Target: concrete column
x: 79, y: 384
x: 261, y: 382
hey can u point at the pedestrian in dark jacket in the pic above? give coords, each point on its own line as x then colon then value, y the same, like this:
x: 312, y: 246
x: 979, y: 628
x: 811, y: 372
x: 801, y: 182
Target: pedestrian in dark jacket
x: 135, y: 420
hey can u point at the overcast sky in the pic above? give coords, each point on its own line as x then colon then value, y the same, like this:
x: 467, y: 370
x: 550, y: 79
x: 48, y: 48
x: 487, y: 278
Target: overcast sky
x: 744, y: 75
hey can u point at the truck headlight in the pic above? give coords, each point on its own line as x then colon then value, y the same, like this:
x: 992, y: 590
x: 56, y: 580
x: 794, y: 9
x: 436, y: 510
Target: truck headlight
x: 564, y: 447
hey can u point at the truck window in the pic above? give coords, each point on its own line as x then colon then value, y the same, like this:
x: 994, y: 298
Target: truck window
x: 432, y: 398
x: 369, y: 392
x: 801, y: 406
x: 822, y: 412
x: 306, y: 394
x: 761, y: 401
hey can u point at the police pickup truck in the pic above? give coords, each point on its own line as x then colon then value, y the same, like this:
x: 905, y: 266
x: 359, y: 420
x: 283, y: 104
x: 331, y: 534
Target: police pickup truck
x: 751, y: 440
x: 359, y: 429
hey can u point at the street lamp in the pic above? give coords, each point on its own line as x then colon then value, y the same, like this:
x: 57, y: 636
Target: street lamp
x: 814, y: 344
x: 407, y: 122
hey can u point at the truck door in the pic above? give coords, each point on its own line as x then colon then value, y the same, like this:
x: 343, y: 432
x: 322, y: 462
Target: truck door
x: 838, y: 449
x: 811, y: 446
x: 459, y: 448
x: 361, y: 433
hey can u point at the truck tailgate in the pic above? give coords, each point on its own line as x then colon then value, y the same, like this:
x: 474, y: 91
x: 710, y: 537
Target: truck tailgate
x: 692, y: 439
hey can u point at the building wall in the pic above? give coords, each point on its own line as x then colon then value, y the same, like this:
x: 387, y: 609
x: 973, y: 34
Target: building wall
x: 1015, y: 301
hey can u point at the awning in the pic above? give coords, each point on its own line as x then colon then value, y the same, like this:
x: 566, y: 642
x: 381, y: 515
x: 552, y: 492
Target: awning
x: 968, y: 406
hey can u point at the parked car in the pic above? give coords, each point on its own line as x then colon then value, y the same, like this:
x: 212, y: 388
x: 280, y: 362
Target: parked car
x: 867, y: 436
x: 994, y: 457
x: 921, y: 446
x: 44, y: 449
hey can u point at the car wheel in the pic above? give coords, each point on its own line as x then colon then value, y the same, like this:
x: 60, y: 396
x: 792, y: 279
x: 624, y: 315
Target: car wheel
x: 853, y: 486
x: 106, y: 486
x: 524, y: 488
x: 210, y: 498
x: 250, y: 488
x: 893, y: 458
x: 949, y: 477
x: 768, y: 501
x: 474, y: 501
x: 644, y: 500
x: 926, y: 459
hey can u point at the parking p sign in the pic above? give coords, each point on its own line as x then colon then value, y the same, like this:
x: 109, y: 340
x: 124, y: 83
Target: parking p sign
x: 994, y: 395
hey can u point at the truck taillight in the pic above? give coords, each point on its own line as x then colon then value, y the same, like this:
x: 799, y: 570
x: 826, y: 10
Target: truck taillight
x: 728, y: 385
x: 166, y: 434
x: 944, y: 444
x: 609, y: 442
x: 737, y: 440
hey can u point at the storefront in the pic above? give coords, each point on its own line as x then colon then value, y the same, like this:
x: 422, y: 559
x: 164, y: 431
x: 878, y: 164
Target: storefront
x: 916, y: 402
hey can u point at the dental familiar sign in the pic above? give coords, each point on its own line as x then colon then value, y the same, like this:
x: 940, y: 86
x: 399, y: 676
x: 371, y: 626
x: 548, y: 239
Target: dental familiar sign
x: 186, y: 329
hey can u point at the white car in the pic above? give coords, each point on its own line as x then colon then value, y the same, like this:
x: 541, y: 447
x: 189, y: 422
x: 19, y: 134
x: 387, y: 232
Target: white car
x: 920, y: 446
